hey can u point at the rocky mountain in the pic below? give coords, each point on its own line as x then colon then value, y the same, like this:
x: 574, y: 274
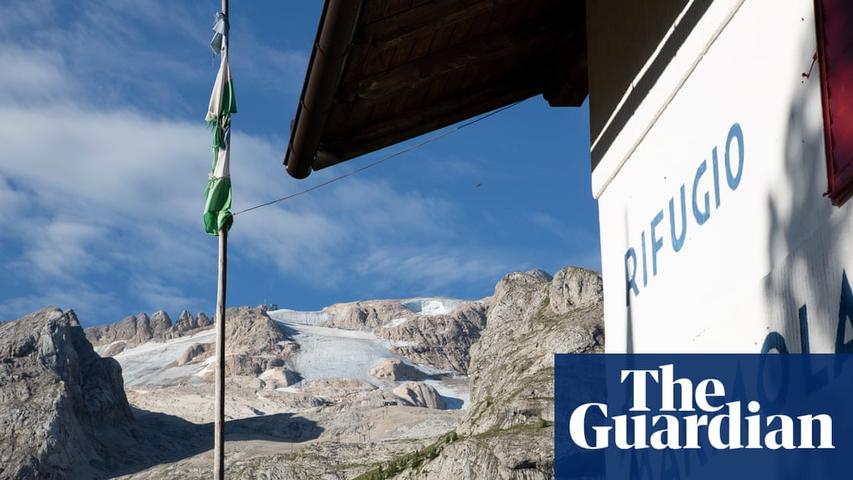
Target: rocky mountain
x: 507, y: 432
x: 256, y: 343
x: 427, y: 331
x: 59, y: 401
x: 140, y: 328
x: 426, y: 388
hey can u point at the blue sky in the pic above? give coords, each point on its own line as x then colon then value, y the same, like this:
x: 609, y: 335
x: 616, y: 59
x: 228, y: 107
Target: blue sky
x: 104, y: 155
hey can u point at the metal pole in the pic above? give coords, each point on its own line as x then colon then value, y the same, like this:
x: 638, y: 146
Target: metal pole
x: 219, y: 414
x: 219, y: 389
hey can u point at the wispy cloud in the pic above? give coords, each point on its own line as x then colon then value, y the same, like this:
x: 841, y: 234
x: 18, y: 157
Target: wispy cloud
x: 118, y: 190
x: 81, y: 299
x: 426, y: 270
x: 142, y: 53
x: 102, y: 175
x: 31, y: 74
x: 560, y: 229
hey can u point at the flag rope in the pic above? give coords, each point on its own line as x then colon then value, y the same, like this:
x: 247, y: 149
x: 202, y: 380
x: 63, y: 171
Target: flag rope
x: 412, y: 148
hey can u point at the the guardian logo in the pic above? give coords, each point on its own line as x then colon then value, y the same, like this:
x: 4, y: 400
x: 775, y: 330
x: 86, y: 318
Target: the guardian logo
x: 689, y: 416
x: 703, y: 416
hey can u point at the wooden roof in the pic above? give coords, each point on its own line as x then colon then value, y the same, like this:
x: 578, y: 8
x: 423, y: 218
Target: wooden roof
x: 383, y: 71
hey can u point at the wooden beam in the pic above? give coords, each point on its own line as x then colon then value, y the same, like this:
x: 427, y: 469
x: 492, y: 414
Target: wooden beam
x: 372, y: 10
x: 480, y: 99
x: 423, y: 20
x: 532, y: 36
x: 566, y: 83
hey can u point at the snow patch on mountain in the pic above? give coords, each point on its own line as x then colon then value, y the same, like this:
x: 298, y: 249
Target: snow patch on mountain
x: 396, y: 323
x: 431, y: 305
x: 333, y: 353
x: 150, y: 363
x: 303, y: 318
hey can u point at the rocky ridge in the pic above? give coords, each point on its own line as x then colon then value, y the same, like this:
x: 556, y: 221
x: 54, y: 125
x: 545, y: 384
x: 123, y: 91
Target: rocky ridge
x: 346, y: 428
x: 508, y: 431
x: 140, y: 328
x: 61, y: 405
x: 440, y: 340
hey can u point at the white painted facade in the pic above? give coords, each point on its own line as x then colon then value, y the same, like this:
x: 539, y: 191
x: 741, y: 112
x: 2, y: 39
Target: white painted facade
x: 774, y: 243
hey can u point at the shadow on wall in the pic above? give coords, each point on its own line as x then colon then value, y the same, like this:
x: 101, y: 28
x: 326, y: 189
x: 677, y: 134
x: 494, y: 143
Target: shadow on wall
x: 629, y: 321
x: 159, y: 438
x: 804, y: 239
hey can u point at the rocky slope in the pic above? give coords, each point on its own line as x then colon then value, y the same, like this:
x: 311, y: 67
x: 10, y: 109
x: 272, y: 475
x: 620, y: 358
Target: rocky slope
x: 136, y: 329
x: 365, y: 390
x: 435, y: 333
x: 507, y: 432
x: 61, y: 405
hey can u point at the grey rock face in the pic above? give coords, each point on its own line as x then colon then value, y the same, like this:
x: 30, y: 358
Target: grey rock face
x: 130, y: 331
x: 114, y: 349
x: 256, y: 343
x: 281, y: 377
x: 507, y: 433
x: 420, y: 395
x: 540, y: 274
x: 136, y: 329
x: 202, y: 320
x: 512, y: 365
x: 393, y: 370
x: 251, y: 330
x: 185, y: 322
x: 160, y: 324
x: 59, y: 401
x: 441, y: 341
x: 522, y: 455
x: 574, y: 287
x: 195, y: 353
x: 366, y: 315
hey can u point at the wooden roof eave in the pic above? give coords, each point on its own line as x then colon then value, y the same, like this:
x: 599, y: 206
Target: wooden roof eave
x: 328, y: 59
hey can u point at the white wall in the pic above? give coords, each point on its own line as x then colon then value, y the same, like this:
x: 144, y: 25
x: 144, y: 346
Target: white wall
x: 774, y: 243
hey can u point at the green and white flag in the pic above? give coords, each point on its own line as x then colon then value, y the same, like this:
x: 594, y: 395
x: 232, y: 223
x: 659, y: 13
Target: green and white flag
x: 217, y: 208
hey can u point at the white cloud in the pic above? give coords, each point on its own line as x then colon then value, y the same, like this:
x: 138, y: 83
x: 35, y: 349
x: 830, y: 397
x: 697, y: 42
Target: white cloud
x: 14, y: 203
x: 425, y: 269
x: 105, y: 194
x: 29, y: 74
x: 118, y: 192
x: 61, y: 249
x: 143, y: 53
x: 158, y: 296
x: 267, y: 67
x: 81, y: 299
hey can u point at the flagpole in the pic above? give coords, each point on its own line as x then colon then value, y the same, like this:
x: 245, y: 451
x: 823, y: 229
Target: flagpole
x: 219, y: 414
x: 219, y: 393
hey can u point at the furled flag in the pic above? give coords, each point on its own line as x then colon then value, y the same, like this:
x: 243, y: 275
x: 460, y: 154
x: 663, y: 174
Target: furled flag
x: 217, y: 208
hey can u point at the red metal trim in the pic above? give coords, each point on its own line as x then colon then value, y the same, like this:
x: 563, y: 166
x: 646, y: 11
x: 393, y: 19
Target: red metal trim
x: 838, y: 190
x: 824, y: 96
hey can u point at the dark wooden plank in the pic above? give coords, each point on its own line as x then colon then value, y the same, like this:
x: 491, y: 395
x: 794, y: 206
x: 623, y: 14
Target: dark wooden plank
x: 372, y: 11
x: 444, y: 111
x: 378, y: 60
x: 532, y: 36
x: 462, y: 32
x: 427, y: 18
x: 442, y: 37
x: 566, y: 82
x: 422, y: 46
x: 402, y: 54
x: 380, y: 112
x: 395, y: 7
